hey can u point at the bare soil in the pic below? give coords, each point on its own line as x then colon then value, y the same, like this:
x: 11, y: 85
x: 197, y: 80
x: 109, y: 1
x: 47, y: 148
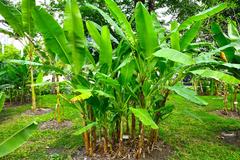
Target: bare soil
x: 54, y: 125
x: 228, y: 114
x: 231, y: 137
x: 159, y: 151
x: 38, y: 111
x: 15, y: 104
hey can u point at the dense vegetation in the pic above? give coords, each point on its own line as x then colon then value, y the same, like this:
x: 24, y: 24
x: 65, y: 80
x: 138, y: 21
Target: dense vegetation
x: 118, y: 76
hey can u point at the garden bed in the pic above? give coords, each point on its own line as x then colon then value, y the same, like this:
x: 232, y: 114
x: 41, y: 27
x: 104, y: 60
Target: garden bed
x: 159, y: 151
x: 38, y: 111
x: 53, y: 124
x: 228, y: 114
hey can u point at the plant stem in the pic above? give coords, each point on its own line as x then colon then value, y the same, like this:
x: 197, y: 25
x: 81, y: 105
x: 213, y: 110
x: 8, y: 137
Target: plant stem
x: 58, y: 100
x: 235, y: 102
x: 133, y: 126
x: 120, y: 137
x: 141, y: 140
x: 225, y: 97
x: 32, y: 80
x: 105, y: 140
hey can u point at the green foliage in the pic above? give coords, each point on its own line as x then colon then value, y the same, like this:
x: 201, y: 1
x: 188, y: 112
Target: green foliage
x: 16, y: 140
x: 13, y: 17
x: 217, y: 75
x: 105, y: 48
x: 175, y: 36
x: 108, y: 19
x: 2, y: 100
x: 202, y: 15
x: 188, y: 94
x: 144, y: 117
x: 189, y: 36
x: 55, y: 40
x: 27, y: 8
x: 222, y: 40
x: 73, y: 27
x: 141, y: 70
x: 86, y: 128
x: 175, y: 56
x: 147, y: 37
x: 121, y: 18
x: 233, y: 31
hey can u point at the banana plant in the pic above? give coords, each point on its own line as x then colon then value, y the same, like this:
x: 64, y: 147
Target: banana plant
x: 131, y: 78
x: 14, y: 78
x: 22, y: 24
x: 146, y: 56
x: 229, y: 54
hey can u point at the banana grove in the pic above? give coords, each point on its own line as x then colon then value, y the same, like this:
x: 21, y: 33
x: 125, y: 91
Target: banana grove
x: 121, y: 73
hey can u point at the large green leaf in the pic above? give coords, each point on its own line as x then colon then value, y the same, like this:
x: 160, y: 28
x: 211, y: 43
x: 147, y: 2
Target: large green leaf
x: 147, y: 37
x: 126, y: 61
x: 94, y: 32
x: 122, y: 20
x: 54, y: 38
x: 222, y: 40
x: 232, y: 65
x: 233, y: 31
x: 13, y: 17
x: 84, y: 94
x: 109, y: 20
x: 23, y: 62
x: 99, y: 28
x: 107, y: 79
x: 144, y: 117
x: 18, y: 139
x: 40, y: 78
x: 2, y: 100
x: 73, y: 27
x: 188, y: 94
x: 190, y: 34
x: 202, y: 15
x: 103, y: 94
x: 85, y: 129
x: 105, y: 56
x: 175, y: 37
x: 27, y: 20
x: 217, y: 75
x: 175, y: 56
x: 126, y: 72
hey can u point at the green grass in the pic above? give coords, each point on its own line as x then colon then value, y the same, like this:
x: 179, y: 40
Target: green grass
x: 192, y: 131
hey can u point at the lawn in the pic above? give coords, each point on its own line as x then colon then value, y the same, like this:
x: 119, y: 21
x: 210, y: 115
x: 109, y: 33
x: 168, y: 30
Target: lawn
x: 192, y: 131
